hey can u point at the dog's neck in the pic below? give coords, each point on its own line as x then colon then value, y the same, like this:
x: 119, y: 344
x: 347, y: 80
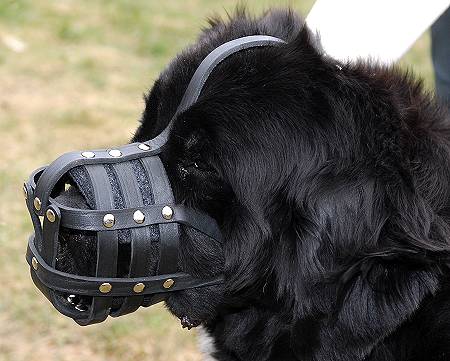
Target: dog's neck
x: 249, y: 334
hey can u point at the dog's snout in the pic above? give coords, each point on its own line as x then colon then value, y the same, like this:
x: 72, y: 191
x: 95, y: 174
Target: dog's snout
x: 72, y: 197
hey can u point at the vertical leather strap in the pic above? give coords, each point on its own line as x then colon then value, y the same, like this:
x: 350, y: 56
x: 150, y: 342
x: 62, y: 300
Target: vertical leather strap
x: 140, y: 237
x: 34, y: 218
x: 50, y: 233
x: 107, y: 243
x: 162, y: 194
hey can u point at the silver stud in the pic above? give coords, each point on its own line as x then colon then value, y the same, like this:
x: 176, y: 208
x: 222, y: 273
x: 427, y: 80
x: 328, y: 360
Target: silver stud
x: 139, y: 217
x: 34, y: 263
x: 144, y: 146
x: 37, y: 204
x: 88, y: 154
x: 108, y: 220
x: 51, y: 216
x: 167, y: 212
x: 25, y: 192
x: 115, y: 153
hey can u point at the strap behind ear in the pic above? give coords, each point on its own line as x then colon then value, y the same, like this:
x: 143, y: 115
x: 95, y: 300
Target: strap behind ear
x: 205, y: 68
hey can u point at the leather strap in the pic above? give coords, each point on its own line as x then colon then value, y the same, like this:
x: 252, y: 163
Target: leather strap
x: 107, y: 243
x: 50, y: 236
x: 89, y: 286
x: 168, y: 233
x: 58, y: 168
x: 92, y: 220
x: 140, y: 237
x: 205, y: 68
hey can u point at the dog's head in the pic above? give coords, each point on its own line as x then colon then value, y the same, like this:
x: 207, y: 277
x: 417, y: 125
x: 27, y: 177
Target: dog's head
x: 316, y: 175
x: 205, y: 158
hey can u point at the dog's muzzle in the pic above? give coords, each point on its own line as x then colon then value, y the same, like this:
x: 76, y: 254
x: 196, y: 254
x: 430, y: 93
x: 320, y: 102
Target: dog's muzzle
x: 129, y: 213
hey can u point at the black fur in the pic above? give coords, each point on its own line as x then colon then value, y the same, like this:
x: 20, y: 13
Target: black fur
x: 330, y: 182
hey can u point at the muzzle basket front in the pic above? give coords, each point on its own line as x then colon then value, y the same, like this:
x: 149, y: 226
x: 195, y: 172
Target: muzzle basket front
x: 138, y: 215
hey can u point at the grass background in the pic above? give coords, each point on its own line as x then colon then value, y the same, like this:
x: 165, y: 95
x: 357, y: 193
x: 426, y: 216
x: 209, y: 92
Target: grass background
x: 72, y: 75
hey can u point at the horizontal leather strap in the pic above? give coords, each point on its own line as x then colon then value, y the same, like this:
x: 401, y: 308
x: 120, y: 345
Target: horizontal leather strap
x: 89, y: 286
x: 92, y: 219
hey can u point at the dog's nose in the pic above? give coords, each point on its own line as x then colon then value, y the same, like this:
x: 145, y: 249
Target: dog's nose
x: 72, y: 197
x: 76, y: 251
x: 70, y: 243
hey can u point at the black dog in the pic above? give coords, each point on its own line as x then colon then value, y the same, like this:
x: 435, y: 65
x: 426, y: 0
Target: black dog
x: 330, y: 183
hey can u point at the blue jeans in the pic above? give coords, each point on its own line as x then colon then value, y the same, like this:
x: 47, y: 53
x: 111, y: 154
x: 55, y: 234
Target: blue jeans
x: 440, y: 52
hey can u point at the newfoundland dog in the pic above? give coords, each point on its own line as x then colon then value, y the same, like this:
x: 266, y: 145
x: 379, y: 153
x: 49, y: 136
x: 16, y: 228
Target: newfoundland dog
x: 331, y: 184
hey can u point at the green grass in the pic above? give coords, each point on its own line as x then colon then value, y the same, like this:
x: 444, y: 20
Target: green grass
x: 78, y: 84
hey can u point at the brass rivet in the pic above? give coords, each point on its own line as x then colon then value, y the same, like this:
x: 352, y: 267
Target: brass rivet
x: 51, y: 216
x: 105, y: 287
x: 37, y: 204
x: 168, y: 283
x: 25, y: 192
x: 115, y: 153
x: 88, y: 154
x: 167, y: 212
x: 144, y: 146
x: 138, y: 287
x: 34, y: 263
x: 139, y: 217
x: 108, y: 220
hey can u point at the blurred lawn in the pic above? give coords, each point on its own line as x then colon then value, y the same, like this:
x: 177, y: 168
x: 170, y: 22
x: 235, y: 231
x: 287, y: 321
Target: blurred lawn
x: 72, y: 75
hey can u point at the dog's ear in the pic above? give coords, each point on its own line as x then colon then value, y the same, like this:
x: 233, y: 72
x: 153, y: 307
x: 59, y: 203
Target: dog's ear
x: 380, y: 252
x: 282, y: 23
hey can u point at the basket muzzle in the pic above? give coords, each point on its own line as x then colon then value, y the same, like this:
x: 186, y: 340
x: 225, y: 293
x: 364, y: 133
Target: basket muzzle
x: 129, y: 201
x: 132, y: 201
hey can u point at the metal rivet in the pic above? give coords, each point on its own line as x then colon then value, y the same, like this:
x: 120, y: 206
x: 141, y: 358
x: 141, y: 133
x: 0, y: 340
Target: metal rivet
x: 88, y: 154
x: 105, y: 287
x: 115, y: 153
x: 37, y: 203
x: 144, y: 146
x: 51, y: 216
x: 108, y: 220
x: 25, y: 192
x: 168, y: 283
x: 138, y: 287
x: 34, y: 263
x: 139, y: 217
x: 167, y: 212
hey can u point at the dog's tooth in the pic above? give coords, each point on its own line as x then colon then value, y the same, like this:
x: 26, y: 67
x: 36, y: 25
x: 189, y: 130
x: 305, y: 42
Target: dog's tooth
x: 81, y: 307
x: 72, y: 299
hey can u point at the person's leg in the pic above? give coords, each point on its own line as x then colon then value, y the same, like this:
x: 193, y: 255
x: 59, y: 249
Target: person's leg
x: 440, y: 50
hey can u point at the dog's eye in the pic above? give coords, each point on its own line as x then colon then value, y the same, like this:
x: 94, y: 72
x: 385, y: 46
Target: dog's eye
x: 199, y: 165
